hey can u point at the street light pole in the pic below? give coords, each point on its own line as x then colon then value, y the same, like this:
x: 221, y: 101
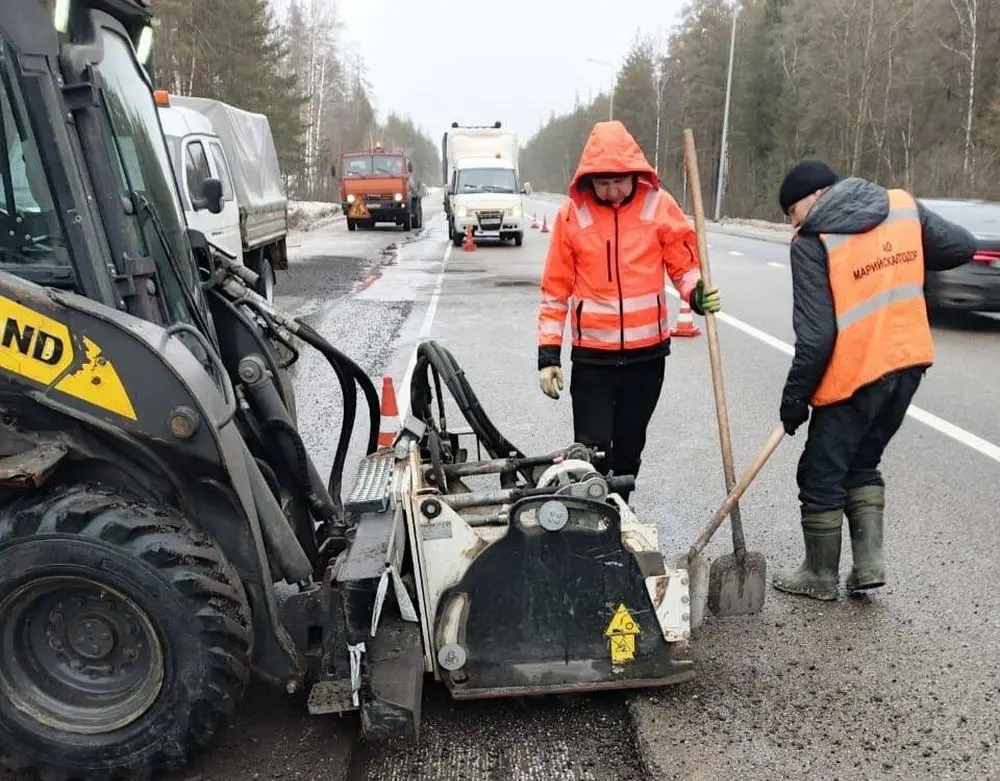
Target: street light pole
x: 724, y: 148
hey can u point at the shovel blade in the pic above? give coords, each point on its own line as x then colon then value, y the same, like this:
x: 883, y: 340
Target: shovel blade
x: 735, y: 590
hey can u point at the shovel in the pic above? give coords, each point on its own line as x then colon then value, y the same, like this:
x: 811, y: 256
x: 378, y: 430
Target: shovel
x: 736, y: 583
x: 724, y: 581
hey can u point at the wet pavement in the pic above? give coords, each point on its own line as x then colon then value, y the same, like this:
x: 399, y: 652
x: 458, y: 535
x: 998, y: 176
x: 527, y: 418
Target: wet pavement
x: 903, y: 684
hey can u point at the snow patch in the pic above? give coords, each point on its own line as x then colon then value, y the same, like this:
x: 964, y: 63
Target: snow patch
x: 307, y: 215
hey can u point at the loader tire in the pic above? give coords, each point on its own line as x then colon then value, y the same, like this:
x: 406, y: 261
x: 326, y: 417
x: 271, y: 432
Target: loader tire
x: 125, y: 637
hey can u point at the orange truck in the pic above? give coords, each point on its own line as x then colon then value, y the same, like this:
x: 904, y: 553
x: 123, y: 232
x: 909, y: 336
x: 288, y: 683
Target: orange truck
x: 379, y: 186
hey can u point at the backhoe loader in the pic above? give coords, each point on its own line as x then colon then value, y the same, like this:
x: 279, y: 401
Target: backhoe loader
x: 156, y: 497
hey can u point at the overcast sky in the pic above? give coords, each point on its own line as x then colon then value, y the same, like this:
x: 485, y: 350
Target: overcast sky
x: 477, y: 62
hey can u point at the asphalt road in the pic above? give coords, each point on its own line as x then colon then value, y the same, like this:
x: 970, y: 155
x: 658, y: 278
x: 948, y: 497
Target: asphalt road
x: 904, y: 684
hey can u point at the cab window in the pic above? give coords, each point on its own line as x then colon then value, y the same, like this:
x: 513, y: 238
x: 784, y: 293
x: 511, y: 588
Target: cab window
x: 31, y: 231
x: 196, y: 171
x: 223, y: 169
x: 358, y: 166
x: 385, y: 164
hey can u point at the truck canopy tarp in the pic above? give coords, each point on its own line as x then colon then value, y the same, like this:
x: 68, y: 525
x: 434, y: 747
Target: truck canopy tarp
x: 250, y: 149
x: 478, y: 142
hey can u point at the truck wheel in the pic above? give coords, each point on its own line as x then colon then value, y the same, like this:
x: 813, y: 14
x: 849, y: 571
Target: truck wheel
x: 265, y: 284
x: 351, y: 225
x: 407, y: 222
x: 125, y: 636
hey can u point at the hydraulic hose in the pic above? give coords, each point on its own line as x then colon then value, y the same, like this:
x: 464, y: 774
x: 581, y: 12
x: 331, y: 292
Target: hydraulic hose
x: 233, y: 282
x: 347, y: 373
x: 442, y: 364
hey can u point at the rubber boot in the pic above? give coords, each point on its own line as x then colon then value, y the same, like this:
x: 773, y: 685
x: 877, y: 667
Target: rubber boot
x: 818, y: 575
x: 865, y: 508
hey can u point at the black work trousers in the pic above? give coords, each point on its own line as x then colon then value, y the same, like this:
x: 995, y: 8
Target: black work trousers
x: 612, y: 406
x: 847, y: 439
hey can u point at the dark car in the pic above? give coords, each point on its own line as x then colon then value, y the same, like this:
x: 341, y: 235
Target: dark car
x: 976, y: 285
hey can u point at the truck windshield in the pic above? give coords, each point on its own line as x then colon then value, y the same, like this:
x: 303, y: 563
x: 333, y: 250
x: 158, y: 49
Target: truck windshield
x: 143, y: 166
x: 32, y: 241
x: 373, y: 165
x: 486, y: 180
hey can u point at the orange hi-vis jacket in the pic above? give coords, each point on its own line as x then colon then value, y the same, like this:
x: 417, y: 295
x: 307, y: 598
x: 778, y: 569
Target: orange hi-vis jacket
x: 607, y: 266
x: 877, y: 281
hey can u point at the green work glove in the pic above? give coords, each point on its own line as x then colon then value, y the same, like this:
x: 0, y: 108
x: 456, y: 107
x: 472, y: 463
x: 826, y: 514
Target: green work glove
x: 705, y: 299
x: 551, y: 381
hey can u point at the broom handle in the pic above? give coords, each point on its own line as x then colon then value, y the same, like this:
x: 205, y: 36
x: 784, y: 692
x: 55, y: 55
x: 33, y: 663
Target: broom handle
x: 748, y: 477
x: 714, y: 353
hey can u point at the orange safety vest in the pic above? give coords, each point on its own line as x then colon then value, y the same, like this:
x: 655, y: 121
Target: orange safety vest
x: 877, y: 280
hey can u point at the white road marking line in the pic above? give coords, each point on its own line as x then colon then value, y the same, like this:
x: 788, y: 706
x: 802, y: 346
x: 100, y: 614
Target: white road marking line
x: 737, y: 253
x: 425, y: 329
x: 942, y: 426
x: 775, y: 264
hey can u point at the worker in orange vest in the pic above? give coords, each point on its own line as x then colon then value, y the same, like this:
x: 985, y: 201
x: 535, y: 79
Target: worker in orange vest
x: 613, y: 244
x: 862, y: 346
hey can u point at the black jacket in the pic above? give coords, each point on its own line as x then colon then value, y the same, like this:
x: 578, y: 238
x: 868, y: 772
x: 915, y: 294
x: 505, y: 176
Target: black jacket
x: 851, y: 206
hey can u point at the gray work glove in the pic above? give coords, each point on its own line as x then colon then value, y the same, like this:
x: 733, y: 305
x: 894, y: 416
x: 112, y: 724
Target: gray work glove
x: 551, y: 381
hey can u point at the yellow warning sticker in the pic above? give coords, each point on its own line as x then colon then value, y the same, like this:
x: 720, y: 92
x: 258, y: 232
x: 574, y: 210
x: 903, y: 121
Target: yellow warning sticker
x: 43, y: 350
x: 621, y: 632
x: 358, y: 210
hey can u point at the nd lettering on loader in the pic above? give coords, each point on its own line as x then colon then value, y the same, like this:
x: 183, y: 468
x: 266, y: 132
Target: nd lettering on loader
x: 154, y: 488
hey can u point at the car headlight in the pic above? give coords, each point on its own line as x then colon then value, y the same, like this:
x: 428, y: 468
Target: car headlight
x: 514, y: 211
x: 350, y: 198
x: 462, y: 211
x: 398, y: 197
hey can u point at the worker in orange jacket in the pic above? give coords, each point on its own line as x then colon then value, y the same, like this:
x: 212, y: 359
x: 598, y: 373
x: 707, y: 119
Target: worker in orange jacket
x: 862, y: 346
x: 611, y: 243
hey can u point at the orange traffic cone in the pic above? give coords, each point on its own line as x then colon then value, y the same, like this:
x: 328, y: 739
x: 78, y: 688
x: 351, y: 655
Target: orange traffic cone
x: 390, y: 414
x: 534, y: 221
x: 545, y: 224
x: 685, y: 322
x: 469, y: 245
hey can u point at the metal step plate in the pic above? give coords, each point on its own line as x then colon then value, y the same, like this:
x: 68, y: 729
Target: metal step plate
x: 331, y: 697
x: 372, y: 486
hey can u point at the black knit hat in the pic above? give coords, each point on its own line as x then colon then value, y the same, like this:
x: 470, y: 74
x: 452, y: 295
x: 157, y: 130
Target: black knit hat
x: 803, y: 179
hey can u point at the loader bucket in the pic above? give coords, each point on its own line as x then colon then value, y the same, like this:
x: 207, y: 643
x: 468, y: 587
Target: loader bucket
x: 561, y: 604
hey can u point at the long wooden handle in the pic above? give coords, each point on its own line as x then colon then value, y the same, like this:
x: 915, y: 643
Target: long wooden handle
x: 714, y: 353
x: 734, y: 495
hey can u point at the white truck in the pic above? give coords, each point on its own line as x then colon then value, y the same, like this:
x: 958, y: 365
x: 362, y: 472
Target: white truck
x: 483, y: 190
x: 211, y: 144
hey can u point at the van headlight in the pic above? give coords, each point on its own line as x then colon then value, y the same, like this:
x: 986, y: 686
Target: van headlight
x: 350, y: 198
x: 462, y: 211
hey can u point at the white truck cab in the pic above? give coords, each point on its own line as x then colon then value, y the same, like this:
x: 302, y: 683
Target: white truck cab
x: 198, y: 155
x: 209, y: 139
x: 486, y: 194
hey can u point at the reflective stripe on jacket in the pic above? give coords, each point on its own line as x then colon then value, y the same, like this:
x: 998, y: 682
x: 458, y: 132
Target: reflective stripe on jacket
x: 877, y: 282
x: 607, y: 266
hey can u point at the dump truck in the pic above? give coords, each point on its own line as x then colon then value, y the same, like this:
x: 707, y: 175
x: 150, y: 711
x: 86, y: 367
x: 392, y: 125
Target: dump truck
x: 236, y: 147
x: 379, y: 186
x: 155, y: 491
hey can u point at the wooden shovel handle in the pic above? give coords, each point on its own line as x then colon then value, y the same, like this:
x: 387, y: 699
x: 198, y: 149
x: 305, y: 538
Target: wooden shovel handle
x: 714, y: 352
x: 734, y: 495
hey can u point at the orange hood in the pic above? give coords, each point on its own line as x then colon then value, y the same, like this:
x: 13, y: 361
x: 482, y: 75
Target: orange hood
x: 612, y: 149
